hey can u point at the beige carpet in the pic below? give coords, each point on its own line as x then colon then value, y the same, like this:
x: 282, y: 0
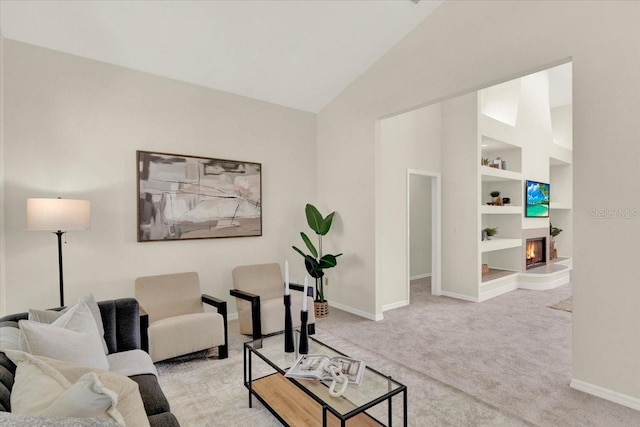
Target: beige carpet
x: 204, y: 391
x: 564, y: 305
x: 504, y: 362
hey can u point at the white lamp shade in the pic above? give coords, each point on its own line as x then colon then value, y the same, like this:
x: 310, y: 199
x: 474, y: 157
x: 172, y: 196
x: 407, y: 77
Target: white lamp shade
x: 58, y: 214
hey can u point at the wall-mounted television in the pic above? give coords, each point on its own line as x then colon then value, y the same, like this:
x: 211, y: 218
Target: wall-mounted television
x: 537, y: 200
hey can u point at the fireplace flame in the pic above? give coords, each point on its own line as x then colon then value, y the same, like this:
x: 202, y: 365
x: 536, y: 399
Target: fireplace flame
x: 531, y: 250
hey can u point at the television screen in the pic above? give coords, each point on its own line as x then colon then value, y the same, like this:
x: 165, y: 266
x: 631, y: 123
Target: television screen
x: 537, y: 195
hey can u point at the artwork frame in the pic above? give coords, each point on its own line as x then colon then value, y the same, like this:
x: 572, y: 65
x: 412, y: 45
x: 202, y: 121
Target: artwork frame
x: 186, y: 197
x: 537, y: 197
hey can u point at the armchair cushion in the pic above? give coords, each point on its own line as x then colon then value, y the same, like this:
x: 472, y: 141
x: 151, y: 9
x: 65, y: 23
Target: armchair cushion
x: 177, y: 322
x: 264, y: 281
x: 177, y: 335
x: 169, y: 295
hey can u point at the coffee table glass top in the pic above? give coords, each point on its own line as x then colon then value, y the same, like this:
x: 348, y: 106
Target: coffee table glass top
x: 374, y: 386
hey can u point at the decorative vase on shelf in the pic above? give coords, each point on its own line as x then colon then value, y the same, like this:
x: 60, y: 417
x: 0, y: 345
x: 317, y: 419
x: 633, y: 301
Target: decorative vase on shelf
x: 490, y: 232
x: 496, y: 198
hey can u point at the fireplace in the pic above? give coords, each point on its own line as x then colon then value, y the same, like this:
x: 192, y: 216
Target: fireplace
x: 535, y: 252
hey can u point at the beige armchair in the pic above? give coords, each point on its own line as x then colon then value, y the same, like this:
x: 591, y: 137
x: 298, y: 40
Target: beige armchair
x: 177, y: 321
x: 259, y: 291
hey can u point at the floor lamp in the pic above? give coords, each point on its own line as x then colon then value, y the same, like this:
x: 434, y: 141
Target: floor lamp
x: 58, y: 216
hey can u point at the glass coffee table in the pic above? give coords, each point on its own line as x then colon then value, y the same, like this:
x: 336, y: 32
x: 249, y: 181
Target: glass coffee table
x: 298, y: 402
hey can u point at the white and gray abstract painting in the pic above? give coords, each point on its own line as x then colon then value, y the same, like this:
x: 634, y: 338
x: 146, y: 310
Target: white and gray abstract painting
x: 186, y: 197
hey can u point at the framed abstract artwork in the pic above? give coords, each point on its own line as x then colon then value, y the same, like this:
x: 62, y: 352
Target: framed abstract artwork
x: 184, y: 197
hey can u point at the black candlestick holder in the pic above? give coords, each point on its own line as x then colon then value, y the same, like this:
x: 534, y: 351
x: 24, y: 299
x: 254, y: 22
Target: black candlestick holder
x: 288, y: 326
x: 303, y: 348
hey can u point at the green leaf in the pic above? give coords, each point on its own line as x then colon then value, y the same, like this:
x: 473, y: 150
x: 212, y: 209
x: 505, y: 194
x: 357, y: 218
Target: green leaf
x: 329, y: 261
x: 314, y: 218
x: 313, y: 267
x: 310, y: 246
x: 326, y: 224
x: 299, y: 251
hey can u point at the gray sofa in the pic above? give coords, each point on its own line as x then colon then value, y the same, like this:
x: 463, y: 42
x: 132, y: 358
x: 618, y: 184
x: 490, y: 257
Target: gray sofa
x: 121, y: 319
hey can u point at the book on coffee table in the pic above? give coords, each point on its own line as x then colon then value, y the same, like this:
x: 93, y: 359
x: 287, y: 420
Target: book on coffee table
x: 316, y: 366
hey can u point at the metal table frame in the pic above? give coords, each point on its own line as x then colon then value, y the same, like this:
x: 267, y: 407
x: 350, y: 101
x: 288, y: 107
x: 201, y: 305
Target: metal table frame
x: 249, y: 350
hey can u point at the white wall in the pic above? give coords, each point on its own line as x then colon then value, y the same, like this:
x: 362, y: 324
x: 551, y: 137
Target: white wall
x: 420, y: 239
x: 533, y: 132
x: 465, y: 46
x: 407, y: 141
x: 460, y: 186
x: 3, y: 291
x: 72, y: 127
x: 562, y: 125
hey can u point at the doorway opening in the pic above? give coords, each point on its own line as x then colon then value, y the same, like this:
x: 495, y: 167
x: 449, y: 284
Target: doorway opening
x: 423, y: 230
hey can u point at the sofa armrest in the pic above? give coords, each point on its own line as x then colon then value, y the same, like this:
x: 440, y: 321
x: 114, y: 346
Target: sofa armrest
x: 256, y: 326
x: 144, y: 330
x: 221, y: 306
x: 121, y: 321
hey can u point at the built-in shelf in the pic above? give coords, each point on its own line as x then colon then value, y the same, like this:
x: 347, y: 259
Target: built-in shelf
x: 501, y: 210
x: 560, y: 205
x: 518, y: 157
x: 560, y: 156
x: 499, y: 244
x: 496, y: 129
x: 495, y: 273
x: 493, y: 174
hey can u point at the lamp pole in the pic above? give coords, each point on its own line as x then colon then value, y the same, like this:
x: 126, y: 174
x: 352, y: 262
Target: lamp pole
x: 58, y: 214
x: 59, y: 234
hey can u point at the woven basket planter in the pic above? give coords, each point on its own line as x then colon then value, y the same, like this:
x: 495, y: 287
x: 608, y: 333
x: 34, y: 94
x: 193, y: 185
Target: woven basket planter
x: 321, y: 309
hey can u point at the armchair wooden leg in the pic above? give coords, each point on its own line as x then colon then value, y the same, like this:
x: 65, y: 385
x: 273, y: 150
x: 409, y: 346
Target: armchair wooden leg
x: 221, y: 306
x: 256, y: 326
x: 223, y: 351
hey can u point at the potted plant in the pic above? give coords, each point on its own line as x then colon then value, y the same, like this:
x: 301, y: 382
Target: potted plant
x: 496, y: 196
x: 316, y: 262
x: 554, y: 231
x: 490, y: 232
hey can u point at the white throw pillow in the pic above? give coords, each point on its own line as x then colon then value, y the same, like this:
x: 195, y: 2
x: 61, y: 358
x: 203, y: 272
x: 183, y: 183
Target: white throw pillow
x: 9, y: 338
x: 50, y: 316
x: 87, y: 398
x: 39, y: 389
x: 129, y: 406
x: 46, y: 316
x: 73, y: 338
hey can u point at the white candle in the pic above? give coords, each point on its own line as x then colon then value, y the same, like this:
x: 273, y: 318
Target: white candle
x: 304, y: 293
x: 286, y: 277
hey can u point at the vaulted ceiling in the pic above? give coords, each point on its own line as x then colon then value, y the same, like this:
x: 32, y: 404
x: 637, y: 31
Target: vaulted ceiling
x: 296, y: 53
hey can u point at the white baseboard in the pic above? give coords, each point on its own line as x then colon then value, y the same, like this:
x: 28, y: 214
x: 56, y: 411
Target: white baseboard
x: 537, y: 286
x: 484, y: 296
x: 355, y: 311
x: 395, y: 305
x: 613, y: 396
x: 420, y: 276
x: 458, y: 296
